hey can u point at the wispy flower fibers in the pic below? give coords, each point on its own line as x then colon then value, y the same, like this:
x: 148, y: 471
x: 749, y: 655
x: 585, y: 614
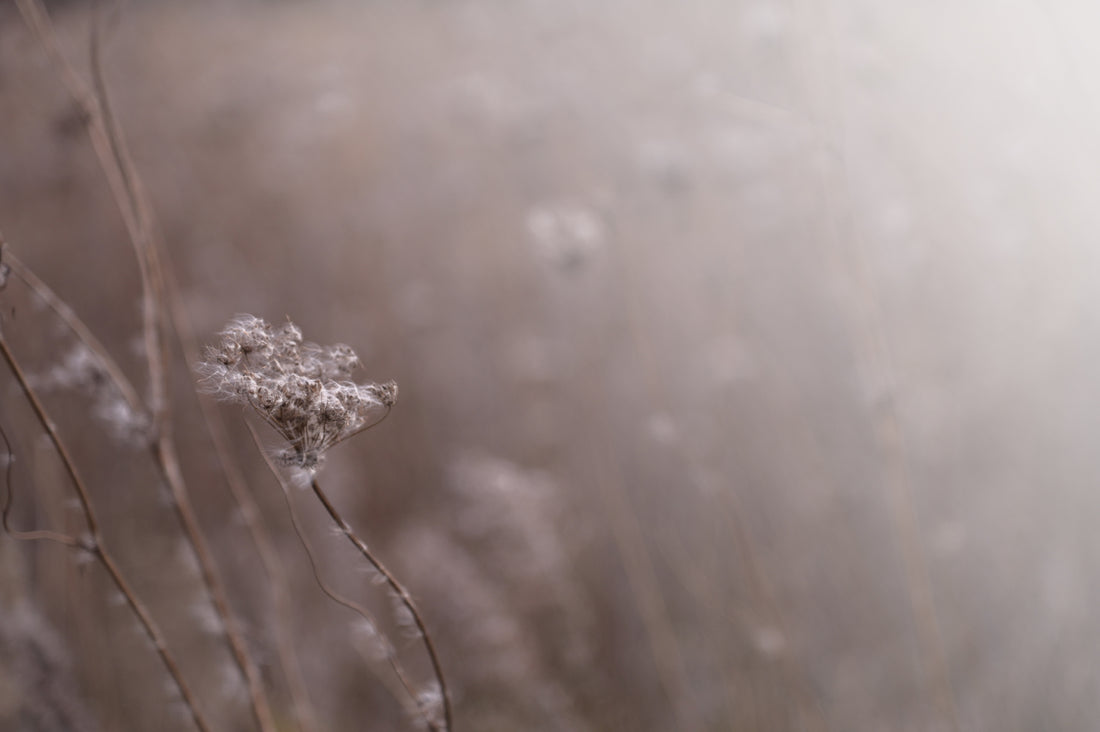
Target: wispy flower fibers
x: 303, y: 390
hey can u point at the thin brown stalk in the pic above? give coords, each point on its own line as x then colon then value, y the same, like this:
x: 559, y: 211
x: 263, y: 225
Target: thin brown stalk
x: 402, y: 594
x: 164, y: 448
x: 94, y: 543
x: 277, y: 581
x: 84, y: 334
x: 74, y: 323
x: 143, y: 236
x: 391, y: 655
x: 250, y: 515
x: 37, y: 19
x: 9, y: 498
x: 129, y: 195
x: 170, y: 469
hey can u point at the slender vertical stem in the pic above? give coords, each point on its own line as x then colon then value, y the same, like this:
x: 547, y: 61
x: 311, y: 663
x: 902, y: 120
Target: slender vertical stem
x: 402, y: 594
x: 74, y: 323
x: 130, y: 197
x: 95, y: 545
x: 299, y: 531
x: 168, y: 462
x: 250, y: 515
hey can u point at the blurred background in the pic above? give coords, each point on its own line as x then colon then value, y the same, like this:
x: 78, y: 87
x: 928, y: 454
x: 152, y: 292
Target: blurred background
x: 746, y: 350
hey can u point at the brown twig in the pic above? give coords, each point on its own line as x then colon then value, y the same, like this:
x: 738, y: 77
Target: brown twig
x: 94, y: 543
x: 9, y: 498
x: 130, y: 197
x: 170, y: 469
x: 391, y: 654
x: 277, y: 581
x: 250, y: 515
x: 402, y: 594
x: 79, y: 329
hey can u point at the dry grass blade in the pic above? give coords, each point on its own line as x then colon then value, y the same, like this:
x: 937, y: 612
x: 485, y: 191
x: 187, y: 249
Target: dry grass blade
x: 403, y: 596
x: 9, y: 499
x: 304, y: 392
x: 357, y: 608
x: 276, y: 578
x: 129, y: 195
x: 79, y: 329
x: 95, y: 545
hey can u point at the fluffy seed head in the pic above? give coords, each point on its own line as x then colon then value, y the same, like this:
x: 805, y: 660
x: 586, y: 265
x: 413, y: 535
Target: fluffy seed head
x: 303, y: 390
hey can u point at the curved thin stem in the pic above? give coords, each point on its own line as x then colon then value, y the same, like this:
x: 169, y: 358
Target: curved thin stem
x: 261, y: 539
x: 94, y: 544
x: 74, y: 323
x: 9, y: 497
x: 401, y: 593
x: 391, y: 655
x: 137, y: 214
x: 167, y: 462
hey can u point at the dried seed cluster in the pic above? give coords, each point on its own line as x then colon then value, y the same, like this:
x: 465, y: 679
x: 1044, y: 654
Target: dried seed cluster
x: 303, y: 390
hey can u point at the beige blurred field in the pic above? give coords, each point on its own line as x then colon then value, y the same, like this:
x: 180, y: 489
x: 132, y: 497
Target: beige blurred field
x: 747, y: 357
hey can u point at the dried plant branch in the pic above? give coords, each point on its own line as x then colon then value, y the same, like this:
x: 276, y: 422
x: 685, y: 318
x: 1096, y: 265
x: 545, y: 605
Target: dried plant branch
x: 277, y: 581
x: 166, y: 458
x: 304, y: 392
x: 390, y: 652
x: 249, y: 513
x: 129, y: 195
x: 94, y: 543
x: 9, y: 498
x: 185, y: 334
x: 306, y: 445
x: 143, y: 237
x: 37, y: 19
x: 402, y: 594
x: 79, y: 329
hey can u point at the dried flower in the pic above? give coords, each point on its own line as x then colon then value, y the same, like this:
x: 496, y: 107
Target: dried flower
x: 303, y: 390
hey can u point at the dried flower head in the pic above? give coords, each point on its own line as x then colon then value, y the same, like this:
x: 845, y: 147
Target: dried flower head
x: 303, y: 390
